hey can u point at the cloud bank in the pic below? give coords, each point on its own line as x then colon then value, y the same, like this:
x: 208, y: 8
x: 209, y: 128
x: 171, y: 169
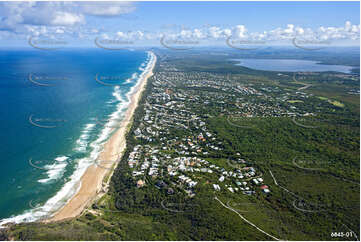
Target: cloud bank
x: 20, y: 20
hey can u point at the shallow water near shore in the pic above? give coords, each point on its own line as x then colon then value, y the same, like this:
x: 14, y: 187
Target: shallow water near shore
x: 57, y: 117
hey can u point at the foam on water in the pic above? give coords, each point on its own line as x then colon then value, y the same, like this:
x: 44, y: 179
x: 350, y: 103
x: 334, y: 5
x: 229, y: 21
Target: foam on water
x: 71, y: 187
x: 61, y: 158
x: 134, y: 77
x: 82, y: 142
x: 56, y: 170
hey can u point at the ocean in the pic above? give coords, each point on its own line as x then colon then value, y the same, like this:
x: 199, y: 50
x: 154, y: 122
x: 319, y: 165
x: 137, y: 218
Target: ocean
x: 58, y: 109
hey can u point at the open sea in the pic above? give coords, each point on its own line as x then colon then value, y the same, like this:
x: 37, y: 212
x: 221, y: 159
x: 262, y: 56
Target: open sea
x: 57, y: 110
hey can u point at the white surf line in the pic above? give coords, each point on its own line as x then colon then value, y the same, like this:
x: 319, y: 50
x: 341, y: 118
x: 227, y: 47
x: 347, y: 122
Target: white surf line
x: 244, y: 219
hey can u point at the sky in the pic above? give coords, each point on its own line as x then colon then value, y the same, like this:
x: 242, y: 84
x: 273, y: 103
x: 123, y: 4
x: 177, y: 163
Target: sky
x: 179, y: 23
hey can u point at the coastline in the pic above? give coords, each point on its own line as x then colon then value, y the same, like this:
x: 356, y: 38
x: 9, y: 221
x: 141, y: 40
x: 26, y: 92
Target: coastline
x: 92, y: 181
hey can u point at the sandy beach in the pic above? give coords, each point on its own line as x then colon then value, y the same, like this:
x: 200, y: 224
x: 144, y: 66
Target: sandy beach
x: 92, y: 182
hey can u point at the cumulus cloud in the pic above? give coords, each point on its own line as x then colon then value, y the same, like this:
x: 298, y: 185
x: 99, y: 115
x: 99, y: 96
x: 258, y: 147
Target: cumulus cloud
x: 239, y: 31
x: 106, y: 9
x: 286, y: 33
x: 71, y: 19
x: 65, y: 18
x: 38, y: 13
x: 17, y: 15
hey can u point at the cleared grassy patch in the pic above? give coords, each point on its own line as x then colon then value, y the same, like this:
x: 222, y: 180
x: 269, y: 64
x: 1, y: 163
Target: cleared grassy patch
x: 336, y: 103
x: 295, y: 101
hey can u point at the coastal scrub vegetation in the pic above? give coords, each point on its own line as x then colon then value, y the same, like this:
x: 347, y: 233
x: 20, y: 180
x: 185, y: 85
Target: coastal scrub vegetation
x: 309, y: 162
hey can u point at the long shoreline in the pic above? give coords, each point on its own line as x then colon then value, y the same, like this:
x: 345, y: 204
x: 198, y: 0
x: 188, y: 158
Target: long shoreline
x: 92, y: 181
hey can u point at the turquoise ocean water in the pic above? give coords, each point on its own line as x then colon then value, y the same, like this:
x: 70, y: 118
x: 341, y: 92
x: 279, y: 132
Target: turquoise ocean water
x: 55, y: 119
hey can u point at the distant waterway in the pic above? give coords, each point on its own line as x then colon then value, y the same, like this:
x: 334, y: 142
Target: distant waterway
x: 290, y: 65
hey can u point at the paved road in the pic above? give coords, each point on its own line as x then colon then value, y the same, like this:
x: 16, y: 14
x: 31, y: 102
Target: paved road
x: 304, y: 87
x: 298, y: 82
